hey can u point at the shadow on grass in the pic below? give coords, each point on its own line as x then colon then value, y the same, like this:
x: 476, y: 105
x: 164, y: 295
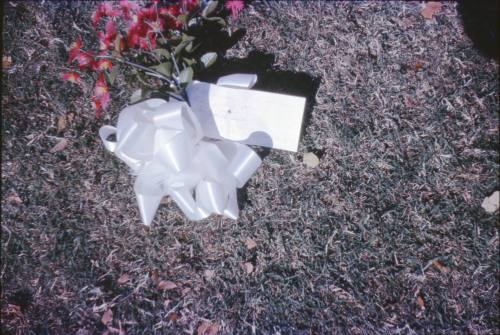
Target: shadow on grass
x: 480, y: 20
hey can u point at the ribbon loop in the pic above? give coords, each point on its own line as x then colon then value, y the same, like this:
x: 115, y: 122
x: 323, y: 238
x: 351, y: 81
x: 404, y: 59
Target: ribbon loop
x: 104, y: 133
x: 238, y: 80
x: 162, y: 142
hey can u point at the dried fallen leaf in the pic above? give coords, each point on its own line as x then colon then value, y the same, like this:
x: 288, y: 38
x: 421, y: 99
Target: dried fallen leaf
x: 155, y: 277
x: 202, y: 329
x: 209, y: 274
x: 166, y: 285
x: 420, y: 302
x: 6, y: 62
x: 208, y: 328
x: 114, y: 330
x: 440, y: 266
x: 213, y: 329
x: 310, y: 159
x: 123, y: 279
x: 248, y: 267
x: 418, y: 65
x: 61, y: 145
x: 185, y: 291
x: 491, y: 203
x: 61, y: 123
x: 14, y: 198
x: 107, y: 317
x: 431, y: 8
x: 381, y: 164
x: 250, y: 244
x: 172, y: 316
x: 70, y: 117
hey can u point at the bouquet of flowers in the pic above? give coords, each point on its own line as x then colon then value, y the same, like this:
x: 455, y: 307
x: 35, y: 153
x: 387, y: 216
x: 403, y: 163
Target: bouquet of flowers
x: 163, y: 43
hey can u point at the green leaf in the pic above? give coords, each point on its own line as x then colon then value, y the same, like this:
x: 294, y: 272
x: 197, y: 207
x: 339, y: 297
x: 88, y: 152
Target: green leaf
x: 181, y: 46
x: 186, y: 37
x: 186, y: 75
x: 189, y: 61
x: 189, y: 47
x: 182, y: 18
x: 210, y: 8
x: 208, y: 59
x: 164, y: 68
x: 162, y: 41
x: 162, y: 52
x: 113, y: 73
x: 136, y: 96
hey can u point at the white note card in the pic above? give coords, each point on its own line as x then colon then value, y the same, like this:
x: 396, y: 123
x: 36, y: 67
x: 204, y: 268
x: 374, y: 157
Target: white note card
x: 248, y: 116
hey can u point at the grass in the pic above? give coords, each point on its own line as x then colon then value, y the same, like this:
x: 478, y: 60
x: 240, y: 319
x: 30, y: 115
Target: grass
x: 385, y: 236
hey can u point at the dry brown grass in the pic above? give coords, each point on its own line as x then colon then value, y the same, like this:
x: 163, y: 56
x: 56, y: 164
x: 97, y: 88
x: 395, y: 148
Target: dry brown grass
x: 385, y: 236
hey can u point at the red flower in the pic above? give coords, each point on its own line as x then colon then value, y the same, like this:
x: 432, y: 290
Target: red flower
x: 74, y: 49
x: 235, y: 6
x: 84, y: 59
x: 104, y: 64
x: 96, y: 104
x: 169, y: 15
x: 104, y: 9
x: 138, y: 29
x: 100, y: 88
x: 100, y: 100
x: 72, y: 77
x: 148, y: 13
x: 134, y: 32
x: 106, y: 38
x: 148, y: 43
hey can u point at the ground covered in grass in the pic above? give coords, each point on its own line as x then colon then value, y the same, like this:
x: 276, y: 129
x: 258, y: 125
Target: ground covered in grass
x: 385, y: 236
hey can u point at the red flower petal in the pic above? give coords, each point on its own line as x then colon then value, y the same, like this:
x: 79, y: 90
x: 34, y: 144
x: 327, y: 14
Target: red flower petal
x: 74, y: 48
x: 173, y: 23
x: 110, y: 29
x: 132, y: 36
x: 235, y: 6
x: 152, y: 41
x: 84, y: 59
x: 108, y: 10
x: 72, y: 77
x: 100, y: 88
x: 104, y: 64
x: 105, y: 100
x: 77, y: 44
x: 104, y: 9
x: 144, y: 44
x: 173, y: 10
x: 103, y: 41
x: 96, y: 104
x: 148, y: 13
x: 96, y: 16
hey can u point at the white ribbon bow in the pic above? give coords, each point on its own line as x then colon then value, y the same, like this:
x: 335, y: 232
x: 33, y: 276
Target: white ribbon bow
x: 162, y: 142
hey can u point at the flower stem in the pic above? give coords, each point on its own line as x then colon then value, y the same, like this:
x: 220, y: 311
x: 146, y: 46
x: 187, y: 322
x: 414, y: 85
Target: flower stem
x: 149, y: 71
